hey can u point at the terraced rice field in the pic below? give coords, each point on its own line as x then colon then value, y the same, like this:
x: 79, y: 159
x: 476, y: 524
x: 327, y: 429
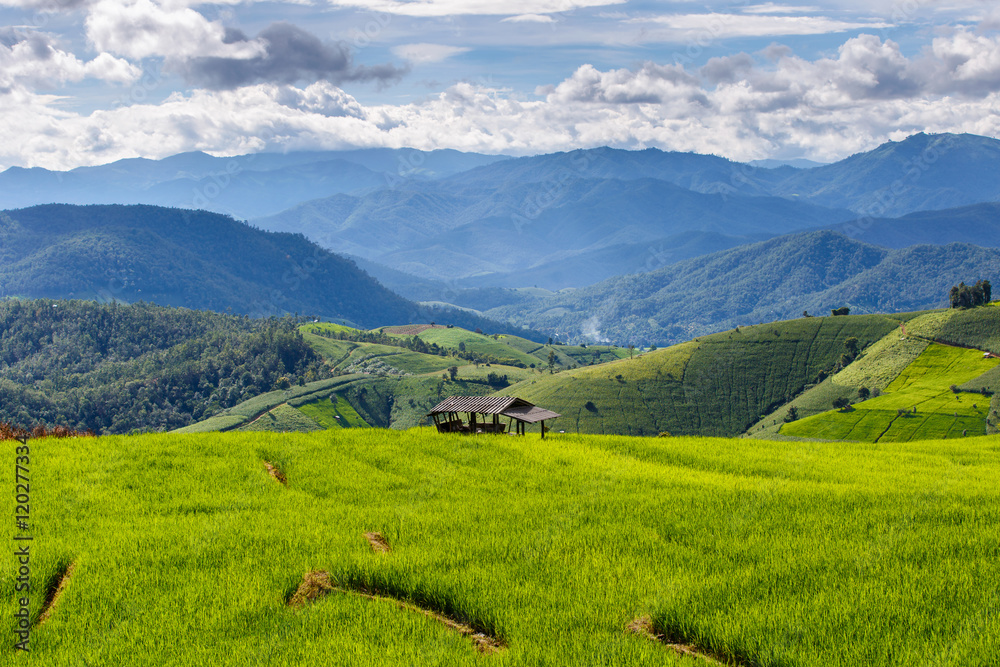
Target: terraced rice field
x: 930, y: 409
x: 333, y: 412
x: 720, y: 384
x: 260, y: 549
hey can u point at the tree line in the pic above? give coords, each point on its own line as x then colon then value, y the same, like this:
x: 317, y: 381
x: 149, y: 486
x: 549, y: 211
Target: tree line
x: 112, y: 368
x: 971, y: 296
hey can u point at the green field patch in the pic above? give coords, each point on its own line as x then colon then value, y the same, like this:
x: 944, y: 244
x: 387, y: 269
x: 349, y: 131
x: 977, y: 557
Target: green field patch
x: 922, y: 393
x: 809, y: 554
x: 332, y: 350
x: 976, y: 327
x: 409, y: 329
x: 720, y: 384
x: 333, y: 412
x: 417, y: 363
x: 283, y: 418
x: 217, y: 423
x: 941, y: 365
x: 317, y: 584
x: 990, y: 381
x: 881, y: 363
x: 500, y: 348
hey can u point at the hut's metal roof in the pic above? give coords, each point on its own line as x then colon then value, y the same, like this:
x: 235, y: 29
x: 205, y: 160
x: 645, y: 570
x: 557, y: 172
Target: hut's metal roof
x: 508, y: 406
x: 530, y: 414
x: 488, y: 405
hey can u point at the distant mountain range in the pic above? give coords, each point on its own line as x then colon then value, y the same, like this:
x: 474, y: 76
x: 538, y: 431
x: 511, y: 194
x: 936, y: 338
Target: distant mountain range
x: 571, y: 219
x: 775, y: 279
x: 590, y: 228
x: 243, y: 186
x: 194, y: 259
x: 552, y: 221
x: 643, y: 246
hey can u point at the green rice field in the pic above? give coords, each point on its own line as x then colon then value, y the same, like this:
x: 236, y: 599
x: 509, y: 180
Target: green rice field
x: 184, y: 550
x: 922, y: 391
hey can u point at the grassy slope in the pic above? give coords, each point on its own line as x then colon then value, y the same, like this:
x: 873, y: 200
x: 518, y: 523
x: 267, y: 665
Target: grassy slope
x: 875, y: 368
x: 776, y: 553
x: 716, y: 385
x: 479, y: 343
x: 922, y: 386
x: 333, y: 412
x: 258, y: 405
x: 282, y: 419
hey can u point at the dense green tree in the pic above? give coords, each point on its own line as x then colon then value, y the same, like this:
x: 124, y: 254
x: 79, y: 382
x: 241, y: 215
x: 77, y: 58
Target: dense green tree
x: 113, y: 368
x: 965, y: 296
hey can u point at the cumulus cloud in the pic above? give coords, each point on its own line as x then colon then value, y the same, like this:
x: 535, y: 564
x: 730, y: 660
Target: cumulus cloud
x: 724, y: 26
x: 727, y: 69
x: 30, y: 60
x: 427, y: 53
x: 745, y: 106
x: 650, y: 84
x: 142, y: 28
x: 438, y: 8
x: 528, y: 18
x: 288, y: 54
x: 211, y: 55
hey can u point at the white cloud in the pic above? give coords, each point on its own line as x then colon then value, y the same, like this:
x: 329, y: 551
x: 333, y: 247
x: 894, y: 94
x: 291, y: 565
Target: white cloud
x: 771, y: 8
x: 725, y: 26
x: 741, y: 106
x: 427, y: 53
x: 476, y: 7
x: 142, y: 28
x: 528, y: 18
x: 29, y: 60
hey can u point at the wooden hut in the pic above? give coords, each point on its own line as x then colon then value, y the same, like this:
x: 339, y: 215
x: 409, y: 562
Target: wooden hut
x: 485, y: 414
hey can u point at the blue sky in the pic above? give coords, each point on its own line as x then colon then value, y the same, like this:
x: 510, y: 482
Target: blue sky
x: 92, y: 81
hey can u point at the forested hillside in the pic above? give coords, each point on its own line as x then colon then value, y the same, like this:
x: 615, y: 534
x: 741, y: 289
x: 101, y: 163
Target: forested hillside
x: 196, y: 259
x: 193, y: 259
x: 114, y: 368
x: 764, y: 282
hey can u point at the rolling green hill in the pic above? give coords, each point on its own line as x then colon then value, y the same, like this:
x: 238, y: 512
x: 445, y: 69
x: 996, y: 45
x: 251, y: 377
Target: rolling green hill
x: 714, y: 385
x: 385, y: 385
x: 920, y: 389
x: 773, y: 280
x: 917, y: 405
x: 183, y: 550
x: 174, y: 257
x: 195, y: 259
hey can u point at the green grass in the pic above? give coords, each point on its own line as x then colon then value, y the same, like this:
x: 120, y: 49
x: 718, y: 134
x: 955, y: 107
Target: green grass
x: 883, y: 361
x: 924, y: 385
x: 716, y: 385
x: 976, y: 327
x: 281, y: 419
x: 333, y: 412
x: 778, y: 554
x: 480, y: 344
x: 335, y: 352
